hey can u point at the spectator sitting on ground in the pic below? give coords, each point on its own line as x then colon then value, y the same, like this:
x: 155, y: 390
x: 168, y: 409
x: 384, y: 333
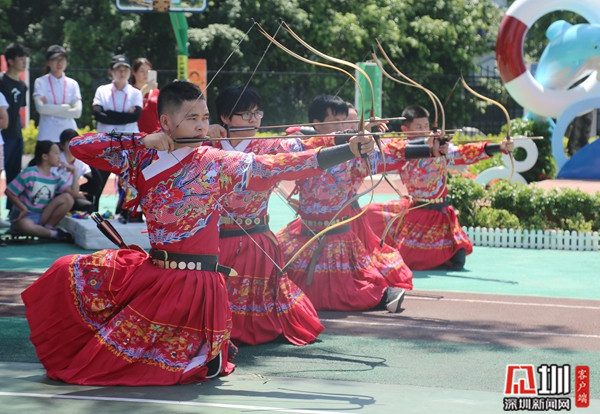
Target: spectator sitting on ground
x: 40, y: 198
x: 90, y: 190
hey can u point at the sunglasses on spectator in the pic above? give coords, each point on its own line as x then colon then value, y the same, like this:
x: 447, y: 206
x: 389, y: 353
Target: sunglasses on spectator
x: 247, y: 116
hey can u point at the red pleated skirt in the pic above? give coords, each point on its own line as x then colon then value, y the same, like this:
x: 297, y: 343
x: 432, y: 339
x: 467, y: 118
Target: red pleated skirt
x: 114, y: 318
x: 264, y: 303
x: 426, y: 238
x: 352, y: 271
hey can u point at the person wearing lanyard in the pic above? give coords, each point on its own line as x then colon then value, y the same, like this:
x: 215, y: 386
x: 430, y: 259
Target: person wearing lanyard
x: 57, y: 97
x: 117, y: 106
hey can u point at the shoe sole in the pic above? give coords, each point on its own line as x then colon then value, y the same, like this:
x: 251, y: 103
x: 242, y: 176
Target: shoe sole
x: 395, y: 305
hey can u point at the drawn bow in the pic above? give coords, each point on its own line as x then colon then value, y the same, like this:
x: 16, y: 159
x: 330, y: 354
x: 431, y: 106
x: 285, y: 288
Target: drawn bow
x: 320, y: 235
x: 437, y: 106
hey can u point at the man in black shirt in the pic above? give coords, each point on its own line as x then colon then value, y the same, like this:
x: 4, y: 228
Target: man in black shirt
x: 15, y: 91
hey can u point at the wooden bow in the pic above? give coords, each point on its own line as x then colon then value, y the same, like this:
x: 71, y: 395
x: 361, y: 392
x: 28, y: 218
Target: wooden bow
x: 506, y: 114
x: 320, y: 235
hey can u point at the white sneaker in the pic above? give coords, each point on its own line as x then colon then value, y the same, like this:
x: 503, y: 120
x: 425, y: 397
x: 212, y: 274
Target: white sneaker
x: 4, y: 223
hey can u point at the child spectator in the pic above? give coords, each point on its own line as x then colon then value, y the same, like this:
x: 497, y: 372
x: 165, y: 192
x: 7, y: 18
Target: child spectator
x: 87, y: 198
x: 40, y: 198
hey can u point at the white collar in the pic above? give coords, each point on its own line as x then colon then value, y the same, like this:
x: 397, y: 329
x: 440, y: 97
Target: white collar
x: 165, y: 161
x: 241, y: 147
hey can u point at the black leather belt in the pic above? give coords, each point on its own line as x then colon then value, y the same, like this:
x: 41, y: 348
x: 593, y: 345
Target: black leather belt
x: 322, y: 223
x: 337, y: 230
x: 240, y: 221
x: 239, y: 232
x: 431, y: 206
x: 181, y: 261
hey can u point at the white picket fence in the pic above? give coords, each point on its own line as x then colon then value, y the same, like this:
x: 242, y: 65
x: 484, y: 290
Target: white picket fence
x: 534, y: 239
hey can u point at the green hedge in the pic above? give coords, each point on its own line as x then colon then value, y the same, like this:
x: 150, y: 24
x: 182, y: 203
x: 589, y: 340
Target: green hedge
x: 520, y: 206
x: 30, y: 134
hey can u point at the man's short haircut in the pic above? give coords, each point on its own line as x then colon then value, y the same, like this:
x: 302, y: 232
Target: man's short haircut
x: 236, y: 99
x: 318, y: 107
x: 414, y: 111
x: 15, y: 50
x: 174, y: 94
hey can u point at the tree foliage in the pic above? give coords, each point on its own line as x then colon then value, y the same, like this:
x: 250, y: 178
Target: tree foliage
x: 432, y: 41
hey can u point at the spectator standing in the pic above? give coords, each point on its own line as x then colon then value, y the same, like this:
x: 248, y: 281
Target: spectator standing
x: 57, y: 97
x: 15, y: 91
x: 117, y: 107
x: 140, y: 68
x: 3, y: 125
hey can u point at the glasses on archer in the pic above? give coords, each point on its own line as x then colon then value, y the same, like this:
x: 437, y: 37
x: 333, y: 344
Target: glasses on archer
x: 247, y: 116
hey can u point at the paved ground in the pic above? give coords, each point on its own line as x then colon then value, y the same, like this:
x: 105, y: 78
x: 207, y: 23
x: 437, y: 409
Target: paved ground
x: 447, y: 351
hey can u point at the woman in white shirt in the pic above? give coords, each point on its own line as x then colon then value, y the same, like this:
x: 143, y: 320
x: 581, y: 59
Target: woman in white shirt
x: 117, y: 106
x: 57, y: 97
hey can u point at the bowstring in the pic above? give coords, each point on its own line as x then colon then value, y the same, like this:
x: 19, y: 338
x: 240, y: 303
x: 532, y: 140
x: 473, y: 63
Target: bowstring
x: 262, y: 57
x: 235, y: 49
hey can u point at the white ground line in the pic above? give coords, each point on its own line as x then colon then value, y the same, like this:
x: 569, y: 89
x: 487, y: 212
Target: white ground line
x: 451, y: 328
x: 499, y: 302
x: 20, y: 278
x: 166, y: 402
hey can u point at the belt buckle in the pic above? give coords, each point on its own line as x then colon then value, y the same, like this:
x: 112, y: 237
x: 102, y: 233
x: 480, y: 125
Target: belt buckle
x: 158, y: 252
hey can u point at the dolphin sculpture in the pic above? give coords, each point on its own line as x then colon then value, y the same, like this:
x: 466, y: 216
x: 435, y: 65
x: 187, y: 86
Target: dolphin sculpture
x: 572, y: 55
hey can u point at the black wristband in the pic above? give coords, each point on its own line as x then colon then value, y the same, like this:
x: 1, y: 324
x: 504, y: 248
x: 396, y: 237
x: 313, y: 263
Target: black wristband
x: 330, y: 156
x: 412, y: 152
x: 417, y: 141
x: 344, y: 136
x: 491, y: 149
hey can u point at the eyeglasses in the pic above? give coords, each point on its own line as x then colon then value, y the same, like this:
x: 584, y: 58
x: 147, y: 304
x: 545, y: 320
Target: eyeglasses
x: 247, y: 116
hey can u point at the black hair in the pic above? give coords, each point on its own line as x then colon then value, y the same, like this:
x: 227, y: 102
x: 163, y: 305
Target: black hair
x: 15, y: 50
x: 236, y: 99
x: 318, y: 107
x: 66, y: 136
x: 410, y: 113
x: 41, y: 148
x: 174, y: 94
x: 135, y: 66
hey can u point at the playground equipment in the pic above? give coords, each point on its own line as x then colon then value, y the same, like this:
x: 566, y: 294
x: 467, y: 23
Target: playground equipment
x: 551, y: 92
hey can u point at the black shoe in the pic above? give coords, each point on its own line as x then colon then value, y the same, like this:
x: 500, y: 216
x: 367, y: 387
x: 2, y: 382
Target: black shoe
x: 214, y: 367
x: 393, y: 299
x: 64, y: 237
x: 458, y: 260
